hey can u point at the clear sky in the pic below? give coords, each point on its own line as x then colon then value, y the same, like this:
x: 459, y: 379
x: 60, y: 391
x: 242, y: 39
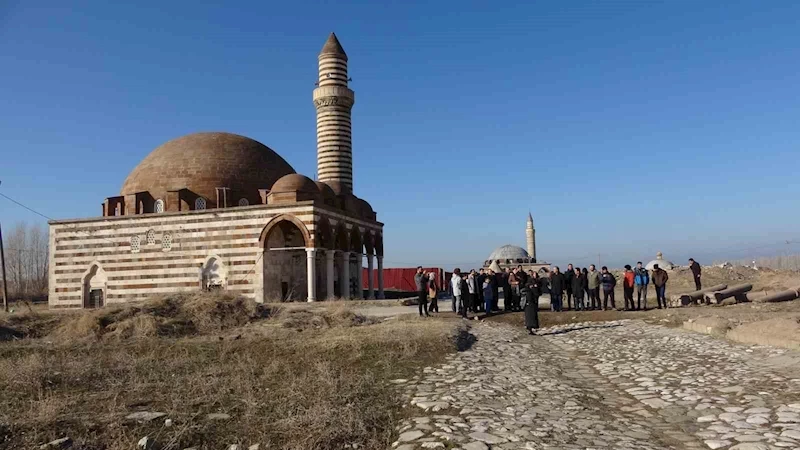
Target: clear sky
x: 625, y: 127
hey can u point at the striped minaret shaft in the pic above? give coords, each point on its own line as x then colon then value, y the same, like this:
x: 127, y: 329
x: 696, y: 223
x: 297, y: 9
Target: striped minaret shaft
x: 334, y: 100
x: 530, y: 234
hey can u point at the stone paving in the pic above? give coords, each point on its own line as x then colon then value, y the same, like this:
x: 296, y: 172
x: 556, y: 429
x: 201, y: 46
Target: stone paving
x: 612, y: 385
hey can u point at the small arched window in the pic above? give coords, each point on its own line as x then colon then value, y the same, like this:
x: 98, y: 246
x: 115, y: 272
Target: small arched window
x: 200, y: 203
x: 151, y: 237
x: 159, y: 207
x: 166, y: 242
x: 243, y: 202
x: 135, y: 242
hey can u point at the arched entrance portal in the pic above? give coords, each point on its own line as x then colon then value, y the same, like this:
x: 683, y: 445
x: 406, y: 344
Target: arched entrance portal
x: 94, y: 287
x: 285, y: 240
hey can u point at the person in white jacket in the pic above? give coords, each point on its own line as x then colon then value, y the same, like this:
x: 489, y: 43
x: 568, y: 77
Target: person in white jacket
x: 472, y: 284
x: 455, y: 284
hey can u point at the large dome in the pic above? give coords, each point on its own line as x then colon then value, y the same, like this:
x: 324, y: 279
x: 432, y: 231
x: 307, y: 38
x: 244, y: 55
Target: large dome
x: 509, y: 252
x: 202, y: 162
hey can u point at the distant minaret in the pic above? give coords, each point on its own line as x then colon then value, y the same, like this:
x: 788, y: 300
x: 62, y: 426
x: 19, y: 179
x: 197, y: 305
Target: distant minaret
x: 530, y: 233
x: 334, y: 100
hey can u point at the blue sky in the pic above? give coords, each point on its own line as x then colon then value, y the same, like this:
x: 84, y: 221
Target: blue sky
x: 625, y: 127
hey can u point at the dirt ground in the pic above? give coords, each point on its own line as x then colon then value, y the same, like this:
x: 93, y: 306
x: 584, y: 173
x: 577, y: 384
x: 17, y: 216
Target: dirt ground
x: 738, y: 314
x: 681, y: 280
x: 752, y: 323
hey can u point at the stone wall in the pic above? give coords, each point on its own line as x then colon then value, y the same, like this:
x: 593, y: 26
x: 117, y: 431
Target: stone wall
x: 171, y: 249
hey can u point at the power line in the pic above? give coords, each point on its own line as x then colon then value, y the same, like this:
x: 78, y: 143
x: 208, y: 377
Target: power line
x: 29, y: 209
x: 54, y: 220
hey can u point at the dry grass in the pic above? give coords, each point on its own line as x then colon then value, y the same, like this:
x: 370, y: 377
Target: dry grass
x: 293, y: 378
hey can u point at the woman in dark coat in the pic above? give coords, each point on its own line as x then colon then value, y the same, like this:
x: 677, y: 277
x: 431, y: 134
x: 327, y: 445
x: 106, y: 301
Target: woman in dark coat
x: 533, y: 291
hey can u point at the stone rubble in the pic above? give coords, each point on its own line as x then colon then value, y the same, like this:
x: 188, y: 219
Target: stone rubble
x: 612, y: 385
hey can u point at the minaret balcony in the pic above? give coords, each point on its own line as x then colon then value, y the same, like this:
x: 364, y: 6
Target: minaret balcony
x: 334, y: 96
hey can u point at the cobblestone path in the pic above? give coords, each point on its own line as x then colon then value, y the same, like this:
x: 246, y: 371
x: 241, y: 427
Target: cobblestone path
x: 618, y: 385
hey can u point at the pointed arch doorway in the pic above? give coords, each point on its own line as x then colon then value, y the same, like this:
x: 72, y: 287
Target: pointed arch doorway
x: 285, y: 240
x: 94, y: 287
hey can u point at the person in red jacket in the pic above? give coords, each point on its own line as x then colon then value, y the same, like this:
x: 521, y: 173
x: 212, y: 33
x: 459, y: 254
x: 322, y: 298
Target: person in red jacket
x: 627, y: 286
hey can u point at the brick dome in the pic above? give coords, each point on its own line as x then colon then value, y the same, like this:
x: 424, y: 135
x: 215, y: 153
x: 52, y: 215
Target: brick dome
x: 365, y: 209
x: 293, y: 188
x: 326, y: 190
x: 337, y: 187
x: 295, y: 182
x: 202, y: 162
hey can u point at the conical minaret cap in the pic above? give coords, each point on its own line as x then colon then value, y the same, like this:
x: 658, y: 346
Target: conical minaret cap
x: 332, y: 46
x: 530, y: 218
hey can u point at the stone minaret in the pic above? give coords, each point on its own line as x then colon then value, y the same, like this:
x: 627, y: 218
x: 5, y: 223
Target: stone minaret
x: 334, y: 100
x: 530, y: 233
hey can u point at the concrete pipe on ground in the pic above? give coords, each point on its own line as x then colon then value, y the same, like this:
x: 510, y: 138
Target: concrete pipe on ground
x: 732, y: 291
x: 690, y: 297
x: 784, y: 296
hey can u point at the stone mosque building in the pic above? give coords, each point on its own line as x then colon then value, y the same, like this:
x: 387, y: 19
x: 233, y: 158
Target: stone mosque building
x: 510, y: 256
x: 223, y: 211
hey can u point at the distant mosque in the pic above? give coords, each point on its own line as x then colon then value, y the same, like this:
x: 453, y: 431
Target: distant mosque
x: 509, y: 256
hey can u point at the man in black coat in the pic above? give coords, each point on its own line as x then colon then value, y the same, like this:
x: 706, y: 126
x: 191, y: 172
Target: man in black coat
x: 481, y: 279
x: 568, y: 275
x: 507, y: 296
x: 495, y: 279
x: 696, y: 272
x: 557, y: 285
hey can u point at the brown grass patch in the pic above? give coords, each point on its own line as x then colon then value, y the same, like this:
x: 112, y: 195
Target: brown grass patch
x: 310, y: 378
x: 173, y: 315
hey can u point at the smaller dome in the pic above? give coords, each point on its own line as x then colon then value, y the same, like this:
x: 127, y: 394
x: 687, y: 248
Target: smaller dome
x: 326, y: 190
x: 509, y: 252
x: 365, y: 209
x: 662, y: 263
x: 349, y: 203
x: 295, y: 182
x: 337, y: 187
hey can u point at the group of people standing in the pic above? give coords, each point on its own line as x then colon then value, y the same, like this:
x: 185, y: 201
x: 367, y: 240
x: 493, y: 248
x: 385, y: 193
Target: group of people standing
x: 578, y: 284
x: 478, y: 291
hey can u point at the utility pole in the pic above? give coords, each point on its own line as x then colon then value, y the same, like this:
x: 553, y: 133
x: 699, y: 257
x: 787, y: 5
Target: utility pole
x: 3, y: 268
